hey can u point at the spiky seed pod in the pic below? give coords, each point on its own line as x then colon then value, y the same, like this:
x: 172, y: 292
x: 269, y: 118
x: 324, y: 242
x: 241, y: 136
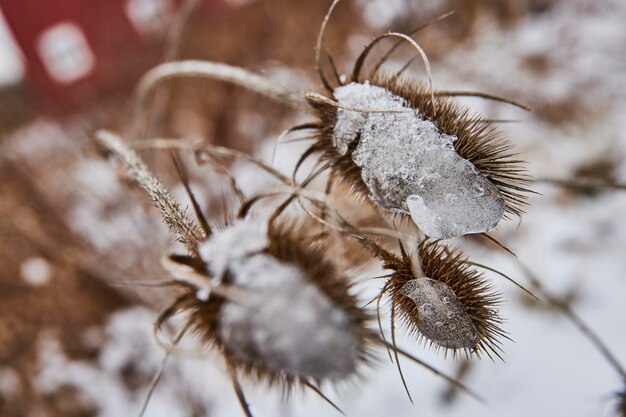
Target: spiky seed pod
x: 300, y: 324
x: 451, y: 171
x: 449, y: 303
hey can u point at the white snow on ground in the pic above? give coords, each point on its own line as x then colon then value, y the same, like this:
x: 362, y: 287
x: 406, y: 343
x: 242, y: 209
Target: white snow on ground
x: 127, y: 343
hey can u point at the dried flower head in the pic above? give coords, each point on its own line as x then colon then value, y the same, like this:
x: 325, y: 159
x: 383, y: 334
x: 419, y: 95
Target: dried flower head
x: 263, y: 293
x: 297, y: 322
x: 451, y: 172
x: 269, y: 300
x: 444, y: 300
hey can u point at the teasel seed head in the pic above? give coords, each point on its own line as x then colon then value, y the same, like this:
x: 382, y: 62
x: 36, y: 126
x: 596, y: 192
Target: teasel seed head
x: 445, y: 301
x: 451, y: 171
x: 299, y: 323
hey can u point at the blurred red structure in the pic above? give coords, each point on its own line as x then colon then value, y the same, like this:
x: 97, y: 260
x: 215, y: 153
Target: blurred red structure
x: 76, y: 51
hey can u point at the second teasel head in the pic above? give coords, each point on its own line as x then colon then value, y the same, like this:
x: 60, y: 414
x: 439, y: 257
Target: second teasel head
x: 444, y: 301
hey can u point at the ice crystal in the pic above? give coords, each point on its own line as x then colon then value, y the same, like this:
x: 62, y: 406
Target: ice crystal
x: 240, y: 239
x: 410, y: 167
x: 441, y: 316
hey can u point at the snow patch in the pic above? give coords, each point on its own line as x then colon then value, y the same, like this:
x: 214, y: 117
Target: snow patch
x: 237, y: 241
x: 101, y: 383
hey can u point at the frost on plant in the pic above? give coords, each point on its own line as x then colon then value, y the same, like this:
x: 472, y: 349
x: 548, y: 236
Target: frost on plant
x: 238, y: 240
x: 441, y: 316
x: 410, y: 167
x: 289, y: 325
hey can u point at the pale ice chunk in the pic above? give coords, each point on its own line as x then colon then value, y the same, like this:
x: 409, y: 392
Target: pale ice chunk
x: 295, y: 328
x: 441, y: 316
x: 410, y: 167
x: 349, y: 123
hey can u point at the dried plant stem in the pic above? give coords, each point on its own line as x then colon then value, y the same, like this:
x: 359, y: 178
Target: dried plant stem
x: 582, y: 182
x: 323, y: 396
x: 358, y: 65
x: 319, y: 98
x: 157, y: 376
x: 189, y: 276
x: 482, y: 95
x: 576, y: 320
x: 215, y: 71
x: 435, y: 371
x: 320, y: 42
x: 243, y: 402
x: 186, y: 230
x: 395, y: 46
x: 199, y: 146
x: 340, y: 225
x: 170, y: 53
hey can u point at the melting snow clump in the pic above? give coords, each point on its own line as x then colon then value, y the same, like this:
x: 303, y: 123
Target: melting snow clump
x: 289, y: 325
x: 240, y: 239
x: 410, y: 167
x: 441, y: 316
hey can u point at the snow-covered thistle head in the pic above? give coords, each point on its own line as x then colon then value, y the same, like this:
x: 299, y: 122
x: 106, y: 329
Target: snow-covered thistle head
x: 297, y: 321
x: 451, y: 172
x: 444, y: 300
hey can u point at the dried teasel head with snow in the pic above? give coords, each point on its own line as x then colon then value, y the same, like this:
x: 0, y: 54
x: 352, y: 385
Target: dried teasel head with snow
x: 416, y: 152
x: 295, y: 320
x: 440, y: 298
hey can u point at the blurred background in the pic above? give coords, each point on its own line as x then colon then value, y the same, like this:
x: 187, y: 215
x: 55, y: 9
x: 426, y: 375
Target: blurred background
x: 72, y: 224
